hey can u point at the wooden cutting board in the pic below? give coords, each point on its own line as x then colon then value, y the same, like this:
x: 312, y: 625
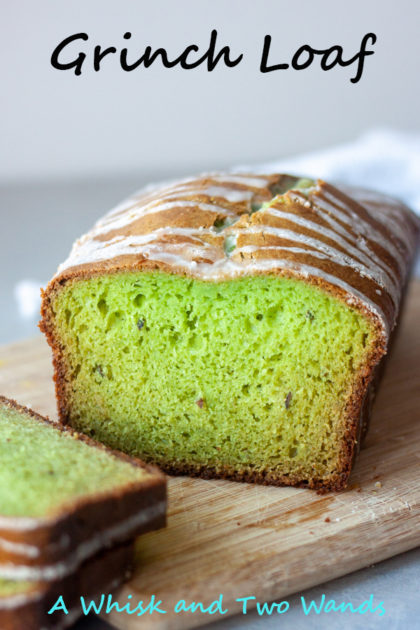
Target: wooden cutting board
x: 244, y: 540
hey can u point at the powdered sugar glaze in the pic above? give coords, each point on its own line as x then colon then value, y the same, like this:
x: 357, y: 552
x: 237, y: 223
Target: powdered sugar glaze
x: 355, y: 243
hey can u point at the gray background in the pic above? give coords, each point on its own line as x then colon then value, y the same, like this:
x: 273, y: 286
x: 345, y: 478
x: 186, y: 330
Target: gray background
x: 54, y: 124
x: 71, y: 147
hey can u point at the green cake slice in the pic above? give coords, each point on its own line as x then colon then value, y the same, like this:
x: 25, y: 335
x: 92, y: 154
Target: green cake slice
x: 231, y: 325
x: 63, y: 497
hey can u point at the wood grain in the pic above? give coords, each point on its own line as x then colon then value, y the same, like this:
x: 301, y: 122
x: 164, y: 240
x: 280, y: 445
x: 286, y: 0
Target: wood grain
x: 240, y: 539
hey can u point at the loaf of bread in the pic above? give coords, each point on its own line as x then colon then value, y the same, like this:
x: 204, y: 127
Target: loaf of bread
x: 231, y: 325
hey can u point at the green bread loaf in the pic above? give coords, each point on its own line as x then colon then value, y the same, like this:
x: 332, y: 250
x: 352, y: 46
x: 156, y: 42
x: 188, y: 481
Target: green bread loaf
x: 221, y: 327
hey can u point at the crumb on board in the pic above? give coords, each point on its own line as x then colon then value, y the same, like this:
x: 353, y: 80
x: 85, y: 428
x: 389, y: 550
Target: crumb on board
x: 327, y: 519
x: 378, y: 484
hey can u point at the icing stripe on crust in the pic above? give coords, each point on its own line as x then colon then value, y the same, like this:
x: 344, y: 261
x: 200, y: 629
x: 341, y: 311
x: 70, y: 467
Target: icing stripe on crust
x: 85, y: 550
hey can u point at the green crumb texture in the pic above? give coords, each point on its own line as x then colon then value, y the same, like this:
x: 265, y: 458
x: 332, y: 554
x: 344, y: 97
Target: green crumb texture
x: 43, y: 469
x: 248, y: 374
x: 9, y: 588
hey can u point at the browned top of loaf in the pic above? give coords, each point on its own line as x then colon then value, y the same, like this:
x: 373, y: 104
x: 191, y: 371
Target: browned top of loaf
x: 354, y: 243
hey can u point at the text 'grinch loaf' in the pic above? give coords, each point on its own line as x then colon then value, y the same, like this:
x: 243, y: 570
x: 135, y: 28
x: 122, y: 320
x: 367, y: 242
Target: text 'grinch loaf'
x: 231, y: 325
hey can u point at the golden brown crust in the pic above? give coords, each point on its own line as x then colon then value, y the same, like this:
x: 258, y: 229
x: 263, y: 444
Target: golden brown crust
x: 353, y: 244
x: 80, y: 521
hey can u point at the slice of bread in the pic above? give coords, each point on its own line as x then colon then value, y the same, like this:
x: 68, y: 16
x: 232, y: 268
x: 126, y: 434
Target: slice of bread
x: 64, y: 497
x: 231, y: 325
x: 24, y: 605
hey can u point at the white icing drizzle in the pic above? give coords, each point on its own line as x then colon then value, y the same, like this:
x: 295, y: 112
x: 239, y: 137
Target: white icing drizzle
x: 349, y: 235
x: 232, y: 195
x: 170, y: 205
x: 20, y: 523
x: 20, y: 599
x: 23, y: 549
x: 392, y: 222
x: 115, y: 533
x: 352, y: 258
x: 361, y: 227
x: 120, y: 245
x: 111, y: 224
x: 245, y: 180
x: 31, y: 551
x: 332, y: 235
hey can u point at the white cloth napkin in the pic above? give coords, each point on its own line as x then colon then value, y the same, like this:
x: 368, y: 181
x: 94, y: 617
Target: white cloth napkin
x: 28, y: 299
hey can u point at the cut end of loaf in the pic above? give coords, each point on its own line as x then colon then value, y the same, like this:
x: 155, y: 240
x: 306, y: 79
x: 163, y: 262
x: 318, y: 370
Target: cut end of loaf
x: 257, y: 378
